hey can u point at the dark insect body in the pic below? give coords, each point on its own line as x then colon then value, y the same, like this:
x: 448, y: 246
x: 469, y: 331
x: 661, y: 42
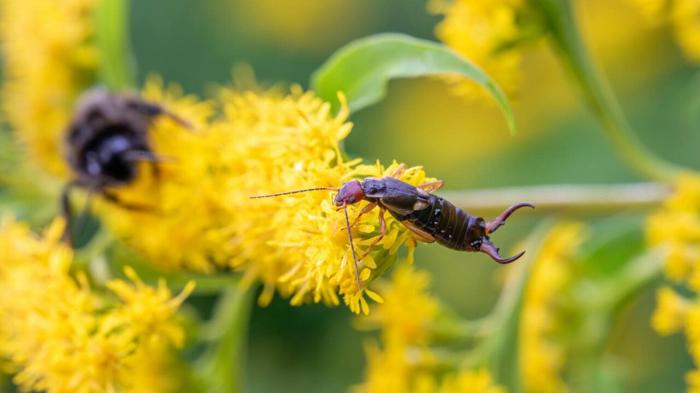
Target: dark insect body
x: 430, y: 217
x: 105, y: 142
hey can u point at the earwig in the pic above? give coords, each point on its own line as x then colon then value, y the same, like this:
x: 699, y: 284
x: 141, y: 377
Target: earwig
x: 430, y: 217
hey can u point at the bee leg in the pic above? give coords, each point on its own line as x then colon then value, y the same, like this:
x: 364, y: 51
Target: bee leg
x: 496, y: 223
x: 148, y: 156
x: 111, y: 197
x: 67, y: 213
x: 382, y: 232
x: 152, y: 110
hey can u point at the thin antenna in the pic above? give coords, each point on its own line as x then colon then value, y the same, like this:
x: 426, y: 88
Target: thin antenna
x: 352, y: 246
x: 294, y: 192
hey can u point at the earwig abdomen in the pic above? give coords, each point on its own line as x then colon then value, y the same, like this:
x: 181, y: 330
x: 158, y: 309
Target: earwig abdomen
x: 448, y: 224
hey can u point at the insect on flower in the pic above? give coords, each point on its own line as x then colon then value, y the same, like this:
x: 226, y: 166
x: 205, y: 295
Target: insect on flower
x: 428, y: 216
x: 105, y: 141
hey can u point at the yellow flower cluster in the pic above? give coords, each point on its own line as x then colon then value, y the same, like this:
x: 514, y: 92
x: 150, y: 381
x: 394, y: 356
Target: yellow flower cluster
x: 62, y: 336
x: 676, y: 228
x: 259, y: 142
x: 406, y: 362
x: 541, y: 356
x: 682, y: 15
x: 49, y: 57
x: 487, y: 32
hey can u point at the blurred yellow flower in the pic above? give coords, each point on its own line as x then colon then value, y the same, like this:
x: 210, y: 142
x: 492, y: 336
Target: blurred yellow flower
x: 487, y: 32
x: 541, y: 356
x: 478, y: 381
x: 685, y: 18
x: 682, y: 15
x: 408, y: 309
x: 676, y: 228
x: 406, y: 362
x: 671, y: 311
x: 263, y: 141
x: 49, y: 57
x: 58, y: 335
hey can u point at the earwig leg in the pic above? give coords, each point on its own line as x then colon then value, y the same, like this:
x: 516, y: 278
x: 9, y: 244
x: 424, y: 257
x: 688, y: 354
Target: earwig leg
x: 496, y: 223
x: 489, y: 249
x: 398, y: 172
x: 432, y: 186
x: 364, y: 210
x: 382, y: 232
x: 126, y: 205
x: 352, y: 248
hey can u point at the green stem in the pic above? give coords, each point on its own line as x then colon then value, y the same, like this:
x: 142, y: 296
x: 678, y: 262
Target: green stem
x: 565, y: 32
x: 591, y: 372
x: 223, y: 363
x: 499, y: 349
x: 563, y: 198
x: 112, y: 40
x: 636, y: 275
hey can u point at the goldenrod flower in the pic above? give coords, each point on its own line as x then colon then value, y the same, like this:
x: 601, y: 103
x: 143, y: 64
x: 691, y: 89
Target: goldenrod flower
x: 408, y: 309
x: 652, y: 10
x: 682, y: 15
x: 671, y: 311
x: 58, y: 335
x: 406, y: 362
x: 49, y: 57
x: 179, y: 228
x: 685, y: 18
x: 263, y: 141
x: 478, y: 381
x: 541, y: 356
x: 487, y: 32
x: 676, y: 228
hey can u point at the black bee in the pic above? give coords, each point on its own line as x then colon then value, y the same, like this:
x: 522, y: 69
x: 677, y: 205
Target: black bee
x: 104, y: 143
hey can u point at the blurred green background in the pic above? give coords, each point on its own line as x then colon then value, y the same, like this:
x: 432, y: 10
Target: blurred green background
x: 464, y: 142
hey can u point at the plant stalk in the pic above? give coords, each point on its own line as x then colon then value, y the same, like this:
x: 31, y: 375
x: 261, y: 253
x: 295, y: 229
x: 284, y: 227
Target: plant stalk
x: 563, y: 198
x: 567, y: 38
x: 223, y: 364
x: 112, y: 40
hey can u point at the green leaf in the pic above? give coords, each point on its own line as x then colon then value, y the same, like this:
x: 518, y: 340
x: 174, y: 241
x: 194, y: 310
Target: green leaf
x: 363, y: 68
x: 221, y: 366
x: 502, y: 344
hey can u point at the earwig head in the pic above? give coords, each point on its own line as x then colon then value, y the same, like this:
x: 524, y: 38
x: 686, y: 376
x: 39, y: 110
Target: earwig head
x: 351, y: 192
x: 485, y: 244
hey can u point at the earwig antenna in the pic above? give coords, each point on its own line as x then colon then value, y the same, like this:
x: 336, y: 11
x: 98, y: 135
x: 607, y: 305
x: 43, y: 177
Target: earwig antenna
x: 294, y: 192
x: 352, y: 246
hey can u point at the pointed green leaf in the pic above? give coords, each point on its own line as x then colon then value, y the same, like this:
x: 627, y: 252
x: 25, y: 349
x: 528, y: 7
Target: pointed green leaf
x: 363, y: 68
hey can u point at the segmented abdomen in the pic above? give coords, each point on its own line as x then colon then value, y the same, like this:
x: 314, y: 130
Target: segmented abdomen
x: 448, y: 224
